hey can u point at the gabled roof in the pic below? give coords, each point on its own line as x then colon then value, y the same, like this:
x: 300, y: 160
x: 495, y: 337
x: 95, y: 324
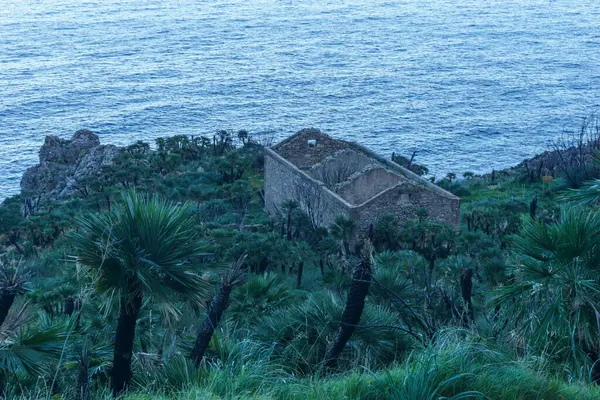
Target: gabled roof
x: 296, y: 150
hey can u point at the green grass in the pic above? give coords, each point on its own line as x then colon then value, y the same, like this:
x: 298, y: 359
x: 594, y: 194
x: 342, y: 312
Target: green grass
x: 457, y: 363
x: 512, y: 381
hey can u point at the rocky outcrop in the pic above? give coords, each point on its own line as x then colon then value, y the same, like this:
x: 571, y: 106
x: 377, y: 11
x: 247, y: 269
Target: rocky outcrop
x: 66, y: 164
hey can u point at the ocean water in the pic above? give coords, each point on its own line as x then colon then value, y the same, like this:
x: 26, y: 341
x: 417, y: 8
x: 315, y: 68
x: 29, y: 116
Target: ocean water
x: 470, y: 84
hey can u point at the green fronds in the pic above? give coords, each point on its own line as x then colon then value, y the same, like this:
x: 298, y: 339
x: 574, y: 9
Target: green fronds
x: 32, y: 350
x: 553, y: 299
x: 13, y: 277
x: 587, y: 195
x: 146, y: 245
x: 300, y: 335
x: 261, y: 296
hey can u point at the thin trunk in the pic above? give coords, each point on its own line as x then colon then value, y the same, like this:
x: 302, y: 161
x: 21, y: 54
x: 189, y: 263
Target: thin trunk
x: 215, y: 311
x: 595, y: 371
x: 533, y: 208
x: 412, y: 158
x: 264, y: 263
x: 69, y: 306
x: 432, y: 259
x: 124, y: 337
x: 3, y: 384
x: 159, y: 353
x: 83, y: 379
x: 355, y: 304
x: 300, y: 271
x: 466, y: 283
x: 6, y: 302
x: 16, y: 244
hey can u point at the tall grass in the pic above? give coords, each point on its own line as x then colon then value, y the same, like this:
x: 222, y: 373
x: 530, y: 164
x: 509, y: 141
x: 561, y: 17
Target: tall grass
x: 457, y: 365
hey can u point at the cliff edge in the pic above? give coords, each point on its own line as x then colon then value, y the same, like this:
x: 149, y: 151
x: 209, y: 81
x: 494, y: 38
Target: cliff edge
x: 65, y: 164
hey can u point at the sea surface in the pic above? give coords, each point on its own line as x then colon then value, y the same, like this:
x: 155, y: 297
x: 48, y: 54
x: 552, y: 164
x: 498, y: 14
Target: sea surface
x: 471, y: 85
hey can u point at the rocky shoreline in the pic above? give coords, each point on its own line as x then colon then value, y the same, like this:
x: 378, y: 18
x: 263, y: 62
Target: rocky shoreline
x: 66, y: 164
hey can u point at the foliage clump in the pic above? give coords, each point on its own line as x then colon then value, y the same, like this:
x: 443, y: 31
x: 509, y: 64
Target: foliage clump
x: 164, y: 278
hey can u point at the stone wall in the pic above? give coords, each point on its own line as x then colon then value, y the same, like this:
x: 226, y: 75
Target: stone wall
x: 367, y: 183
x: 319, y: 177
x: 284, y: 182
x: 403, y: 201
x: 339, y: 166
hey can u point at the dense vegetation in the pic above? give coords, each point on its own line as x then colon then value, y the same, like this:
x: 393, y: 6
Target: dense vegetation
x: 164, y: 278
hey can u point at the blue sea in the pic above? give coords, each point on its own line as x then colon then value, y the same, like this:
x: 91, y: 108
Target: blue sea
x: 471, y: 85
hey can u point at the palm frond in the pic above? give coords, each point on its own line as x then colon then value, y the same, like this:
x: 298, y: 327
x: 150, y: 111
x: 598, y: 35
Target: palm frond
x: 587, y: 195
x: 147, y: 244
x: 32, y: 350
x: 552, y: 300
x: 13, y: 277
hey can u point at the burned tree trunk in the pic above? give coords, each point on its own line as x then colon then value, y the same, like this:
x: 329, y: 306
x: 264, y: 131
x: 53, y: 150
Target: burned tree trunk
x: 533, y: 208
x: 124, y: 338
x: 69, y: 306
x: 235, y: 276
x: 355, y: 303
x: 300, y: 271
x: 83, y: 379
x: 217, y: 306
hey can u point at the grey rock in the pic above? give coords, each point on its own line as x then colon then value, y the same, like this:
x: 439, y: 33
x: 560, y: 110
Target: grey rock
x: 66, y: 164
x: 63, y: 151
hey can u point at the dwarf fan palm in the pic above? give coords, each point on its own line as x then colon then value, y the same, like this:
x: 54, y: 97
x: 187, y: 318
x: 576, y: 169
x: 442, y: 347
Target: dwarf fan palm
x: 12, y: 284
x: 27, y: 349
x: 343, y: 230
x: 557, y: 284
x: 145, y: 248
x: 589, y: 193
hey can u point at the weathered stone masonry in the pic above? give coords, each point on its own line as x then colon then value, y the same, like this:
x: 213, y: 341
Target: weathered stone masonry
x: 331, y: 177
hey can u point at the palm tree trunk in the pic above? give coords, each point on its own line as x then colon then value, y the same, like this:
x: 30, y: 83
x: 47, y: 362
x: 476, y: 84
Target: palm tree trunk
x: 355, y: 304
x: 595, y: 370
x: 299, y: 277
x: 466, y: 283
x: 3, y: 384
x: 124, y: 337
x: 289, y: 225
x: 14, y: 242
x: 83, y: 379
x: 6, y: 302
x: 69, y: 306
x: 218, y: 305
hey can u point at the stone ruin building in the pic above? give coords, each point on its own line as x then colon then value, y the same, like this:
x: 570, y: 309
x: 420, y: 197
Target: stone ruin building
x: 331, y: 178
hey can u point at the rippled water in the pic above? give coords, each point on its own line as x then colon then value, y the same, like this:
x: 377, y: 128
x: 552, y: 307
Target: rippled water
x: 472, y: 84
